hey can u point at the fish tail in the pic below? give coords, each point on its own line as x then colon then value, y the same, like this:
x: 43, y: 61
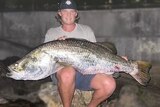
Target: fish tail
x: 142, y: 76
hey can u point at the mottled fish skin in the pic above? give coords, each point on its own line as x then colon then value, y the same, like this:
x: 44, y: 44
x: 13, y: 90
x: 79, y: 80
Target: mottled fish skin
x: 86, y: 57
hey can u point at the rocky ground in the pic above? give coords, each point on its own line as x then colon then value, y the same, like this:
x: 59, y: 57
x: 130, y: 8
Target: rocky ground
x: 44, y: 94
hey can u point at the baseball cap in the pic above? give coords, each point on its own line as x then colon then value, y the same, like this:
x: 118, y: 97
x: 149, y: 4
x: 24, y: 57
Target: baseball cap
x: 67, y: 4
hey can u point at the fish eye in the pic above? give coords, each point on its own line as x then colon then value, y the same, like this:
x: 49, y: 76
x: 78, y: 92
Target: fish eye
x: 16, y: 65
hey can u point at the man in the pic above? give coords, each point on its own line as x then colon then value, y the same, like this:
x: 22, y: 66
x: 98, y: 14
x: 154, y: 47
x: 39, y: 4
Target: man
x: 68, y: 79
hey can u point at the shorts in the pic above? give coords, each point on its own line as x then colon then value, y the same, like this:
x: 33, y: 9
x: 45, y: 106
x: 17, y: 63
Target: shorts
x: 82, y: 82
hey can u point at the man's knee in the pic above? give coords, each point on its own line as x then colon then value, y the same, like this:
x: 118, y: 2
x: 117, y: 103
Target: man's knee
x: 66, y: 74
x: 104, y: 82
x: 109, y: 85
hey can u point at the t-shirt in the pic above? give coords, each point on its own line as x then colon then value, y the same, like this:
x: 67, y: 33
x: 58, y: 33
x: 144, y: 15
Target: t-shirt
x: 80, y: 31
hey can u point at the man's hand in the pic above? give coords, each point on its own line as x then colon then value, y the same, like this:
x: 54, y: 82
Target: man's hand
x: 125, y: 57
x: 62, y: 38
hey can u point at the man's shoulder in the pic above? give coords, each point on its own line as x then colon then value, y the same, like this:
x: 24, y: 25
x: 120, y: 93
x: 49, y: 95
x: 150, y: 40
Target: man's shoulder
x: 83, y: 26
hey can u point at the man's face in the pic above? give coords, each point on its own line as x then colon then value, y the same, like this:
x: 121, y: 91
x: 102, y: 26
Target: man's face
x: 68, y: 16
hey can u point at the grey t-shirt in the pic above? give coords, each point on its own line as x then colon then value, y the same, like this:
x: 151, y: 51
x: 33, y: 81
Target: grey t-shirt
x: 80, y: 31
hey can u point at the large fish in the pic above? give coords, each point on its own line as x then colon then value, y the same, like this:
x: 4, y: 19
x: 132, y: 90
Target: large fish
x: 86, y: 57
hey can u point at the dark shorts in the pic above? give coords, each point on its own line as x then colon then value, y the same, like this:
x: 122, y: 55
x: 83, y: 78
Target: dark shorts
x: 82, y: 81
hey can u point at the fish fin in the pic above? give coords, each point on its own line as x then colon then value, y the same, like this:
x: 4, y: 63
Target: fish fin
x: 110, y: 47
x: 142, y: 76
x: 59, y: 65
x: 64, y: 64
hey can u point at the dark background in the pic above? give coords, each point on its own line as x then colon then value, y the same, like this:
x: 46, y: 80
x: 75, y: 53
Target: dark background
x: 51, y: 5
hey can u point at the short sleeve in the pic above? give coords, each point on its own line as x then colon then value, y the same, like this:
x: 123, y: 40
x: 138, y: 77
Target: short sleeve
x: 90, y: 34
x: 50, y: 35
x: 46, y: 39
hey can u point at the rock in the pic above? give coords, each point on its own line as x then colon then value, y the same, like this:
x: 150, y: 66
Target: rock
x: 136, y: 96
x: 108, y: 45
x: 129, y: 97
x: 49, y: 94
x: 9, y: 60
x: 3, y: 101
x: 22, y: 103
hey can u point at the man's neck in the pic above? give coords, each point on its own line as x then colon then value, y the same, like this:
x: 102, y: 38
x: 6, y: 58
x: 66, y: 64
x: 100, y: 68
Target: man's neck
x: 68, y: 28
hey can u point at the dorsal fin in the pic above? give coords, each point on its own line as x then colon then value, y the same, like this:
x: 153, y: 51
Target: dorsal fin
x: 108, y: 46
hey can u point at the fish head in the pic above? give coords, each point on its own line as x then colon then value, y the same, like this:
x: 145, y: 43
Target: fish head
x: 19, y: 69
x: 34, y: 66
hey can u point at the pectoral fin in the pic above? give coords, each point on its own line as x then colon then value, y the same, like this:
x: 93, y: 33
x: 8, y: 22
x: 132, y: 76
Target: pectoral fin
x: 64, y: 64
x: 61, y: 65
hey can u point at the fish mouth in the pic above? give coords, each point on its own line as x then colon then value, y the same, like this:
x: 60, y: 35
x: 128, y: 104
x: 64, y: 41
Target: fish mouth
x: 13, y: 74
x: 10, y: 69
x: 10, y: 72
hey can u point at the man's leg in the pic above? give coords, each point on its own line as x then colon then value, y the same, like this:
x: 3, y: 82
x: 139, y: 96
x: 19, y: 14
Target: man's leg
x: 66, y: 85
x: 103, y: 85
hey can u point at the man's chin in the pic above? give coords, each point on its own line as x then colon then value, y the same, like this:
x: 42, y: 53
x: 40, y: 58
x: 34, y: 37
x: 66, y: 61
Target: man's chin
x: 70, y: 23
